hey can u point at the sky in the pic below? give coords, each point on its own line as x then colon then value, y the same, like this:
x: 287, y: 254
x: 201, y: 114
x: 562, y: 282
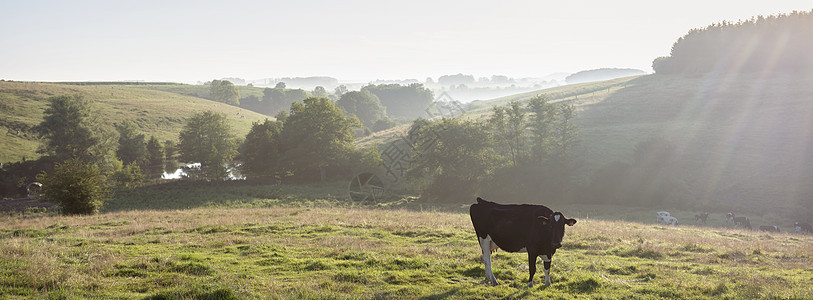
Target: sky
x: 353, y: 40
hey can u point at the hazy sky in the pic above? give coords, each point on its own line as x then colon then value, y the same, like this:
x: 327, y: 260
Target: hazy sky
x: 188, y: 41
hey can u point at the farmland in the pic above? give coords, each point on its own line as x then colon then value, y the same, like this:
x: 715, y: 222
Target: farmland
x: 308, y: 242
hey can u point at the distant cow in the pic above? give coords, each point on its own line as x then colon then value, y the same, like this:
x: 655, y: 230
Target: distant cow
x: 534, y: 229
x: 738, y: 221
x: 701, y: 218
x: 661, y: 215
x: 802, y: 227
x: 769, y: 228
x: 670, y: 220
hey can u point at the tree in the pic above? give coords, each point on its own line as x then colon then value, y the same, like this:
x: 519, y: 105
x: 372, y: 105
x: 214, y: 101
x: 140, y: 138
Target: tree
x: 273, y: 100
x: 282, y: 116
x: 320, y: 92
x: 541, y: 127
x: 260, y: 151
x: 78, y: 187
x: 292, y: 96
x: 317, y: 135
x: 170, y: 150
x: 207, y: 138
x: 509, y: 125
x: 71, y: 130
x: 154, y: 158
x: 566, y: 134
x: 129, y: 176
x: 364, y: 105
x: 340, y: 90
x: 132, y: 148
x: 403, y: 101
x: 280, y: 85
x: 383, y: 124
x: 224, y: 91
x: 458, y: 154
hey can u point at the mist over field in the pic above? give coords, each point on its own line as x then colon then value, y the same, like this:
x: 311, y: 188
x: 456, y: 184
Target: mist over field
x: 319, y: 150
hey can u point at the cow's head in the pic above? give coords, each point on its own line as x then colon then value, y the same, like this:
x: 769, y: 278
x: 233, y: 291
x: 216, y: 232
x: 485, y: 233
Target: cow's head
x: 556, y: 222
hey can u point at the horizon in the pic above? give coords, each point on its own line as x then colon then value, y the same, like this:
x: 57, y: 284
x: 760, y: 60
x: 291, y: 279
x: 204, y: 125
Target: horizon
x: 361, y: 41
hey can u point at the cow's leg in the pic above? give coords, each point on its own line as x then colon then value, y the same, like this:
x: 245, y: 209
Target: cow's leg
x: 485, y: 246
x: 546, y: 259
x: 531, y: 268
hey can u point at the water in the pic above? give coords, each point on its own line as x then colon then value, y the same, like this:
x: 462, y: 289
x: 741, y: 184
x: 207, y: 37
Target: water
x: 180, y: 173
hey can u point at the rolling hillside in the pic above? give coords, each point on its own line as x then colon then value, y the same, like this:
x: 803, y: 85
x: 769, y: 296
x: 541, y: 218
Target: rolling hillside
x: 741, y: 142
x: 156, y: 112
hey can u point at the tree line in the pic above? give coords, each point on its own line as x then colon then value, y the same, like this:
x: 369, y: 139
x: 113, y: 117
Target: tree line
x: 781, y: 43
x: 378, y: 107
x: 520, y: 152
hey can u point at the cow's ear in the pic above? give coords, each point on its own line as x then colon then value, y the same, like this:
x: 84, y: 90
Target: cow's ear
x: 544, y: 220
x: 571, y: 222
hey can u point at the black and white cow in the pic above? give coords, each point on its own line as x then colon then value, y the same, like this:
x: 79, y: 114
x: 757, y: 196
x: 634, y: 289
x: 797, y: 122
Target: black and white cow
x: 769, y: 228
x: 701, y: 218
x: 663, y: 217
x: 801, y: 227
x: 738, y: 221
x: 660, y: 216
x: 534, y: 229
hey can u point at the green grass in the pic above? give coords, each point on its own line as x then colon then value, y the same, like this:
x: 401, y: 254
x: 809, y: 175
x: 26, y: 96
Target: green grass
x: 314, y: 249
x: 200, y: 91
x: 180, y: 194
x: 578, y: 94
x: 155, y: 112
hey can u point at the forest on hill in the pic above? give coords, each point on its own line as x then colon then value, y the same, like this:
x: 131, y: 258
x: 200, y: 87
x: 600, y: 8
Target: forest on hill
x: 769, y: 45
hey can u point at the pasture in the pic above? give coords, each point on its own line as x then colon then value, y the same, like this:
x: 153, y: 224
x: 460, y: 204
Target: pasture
x: 307, y: 242
x: 157, y: 113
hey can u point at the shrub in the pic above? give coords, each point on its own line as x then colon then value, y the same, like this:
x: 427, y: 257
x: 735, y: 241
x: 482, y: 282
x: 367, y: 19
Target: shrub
x: 79, y: 188
x: 129, y: 176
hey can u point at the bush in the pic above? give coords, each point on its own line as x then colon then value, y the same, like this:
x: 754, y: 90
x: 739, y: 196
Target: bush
x: 129, y: 176
x: 79, y: 188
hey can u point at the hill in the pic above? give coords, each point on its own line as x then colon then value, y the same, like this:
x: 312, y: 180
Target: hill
x: 741, y: 142
x: 578, y: 94
x: 601, y: 75
x: 737, y: 142
x: 156, y: 112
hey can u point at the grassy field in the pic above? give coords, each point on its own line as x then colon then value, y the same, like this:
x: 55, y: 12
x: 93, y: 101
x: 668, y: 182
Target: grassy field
x: 579, y: 94
x: 305, y: 242
x: 156, y: 113
x: 200, y: 91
